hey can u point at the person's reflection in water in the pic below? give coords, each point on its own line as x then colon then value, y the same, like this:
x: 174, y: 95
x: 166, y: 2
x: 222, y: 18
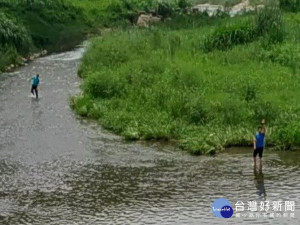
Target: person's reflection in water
x: 36, y: 115
x: 259, y: 182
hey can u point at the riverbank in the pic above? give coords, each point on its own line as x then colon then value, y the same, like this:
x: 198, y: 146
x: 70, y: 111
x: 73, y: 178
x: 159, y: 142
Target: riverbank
x: 28, y: 28
x: 205, y: 82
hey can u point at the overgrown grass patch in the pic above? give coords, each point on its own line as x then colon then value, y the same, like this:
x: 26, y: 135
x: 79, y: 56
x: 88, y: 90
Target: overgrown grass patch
x: 290, y: 5
x: 158, y: 83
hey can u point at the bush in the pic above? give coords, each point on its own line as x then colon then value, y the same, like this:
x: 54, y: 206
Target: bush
x: 269, y: 23
x: 287, y: 136
x: 102, y: 84
x: 286, y: 54
x: 165, y: 9
x: 8, y: 55
x: 183, y: 4
x: 227, y: 37
x: 28, y: 26
x: 290, y: 5
x: 14, y: 34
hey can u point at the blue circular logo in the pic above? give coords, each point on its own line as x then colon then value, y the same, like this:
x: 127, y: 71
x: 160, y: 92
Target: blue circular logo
x: 222, y: 208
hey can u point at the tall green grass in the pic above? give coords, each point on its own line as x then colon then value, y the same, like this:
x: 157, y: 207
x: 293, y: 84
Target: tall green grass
x: 226, y: 37
x: 14, y: 33
x: 14, y: 40
x: 58, y: 25
x: 29, y: 26
x: 267, y: 24
x: 290, y: 5
x: 160, y: 84
x: 51, y: 24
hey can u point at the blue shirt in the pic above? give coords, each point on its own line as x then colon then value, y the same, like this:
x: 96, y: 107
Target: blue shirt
x: 35, y: 80
x: 260, y: 139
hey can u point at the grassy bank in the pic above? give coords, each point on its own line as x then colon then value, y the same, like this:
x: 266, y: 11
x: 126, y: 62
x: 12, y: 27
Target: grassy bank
x: 29, y: 26
x: 58, y: 25
x: 164, y: 83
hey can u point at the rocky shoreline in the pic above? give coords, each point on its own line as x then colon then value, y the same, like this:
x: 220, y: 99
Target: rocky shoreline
x: 24, y: 61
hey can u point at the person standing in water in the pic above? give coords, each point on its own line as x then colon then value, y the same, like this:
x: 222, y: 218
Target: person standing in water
x: 35, y: 84
x: 259, y: 142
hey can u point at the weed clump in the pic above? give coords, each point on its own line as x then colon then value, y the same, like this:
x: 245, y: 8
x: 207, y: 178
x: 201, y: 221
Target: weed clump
x: 290, y: 5
x: 268, y: 24
x: 228, y: 36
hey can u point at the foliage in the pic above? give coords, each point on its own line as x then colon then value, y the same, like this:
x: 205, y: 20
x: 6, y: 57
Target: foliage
x: 28, y: 26
x: 158, y: 83
x: 58, y: 25
x: 290, y: 5
x: 269, y: 23
x: 8, y: 55
x: 14, y: 34
x: 286, y: 54
x: 226, y: 37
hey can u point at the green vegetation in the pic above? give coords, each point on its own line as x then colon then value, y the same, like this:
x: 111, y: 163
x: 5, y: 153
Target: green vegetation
x: 165, y: 83
x: 28, y: 26
x: 290, y: 5
x: 13, y: 39
x: 268, y: 24
x: 58, y: 25
x: 228, y: 36
x: 120, y: 13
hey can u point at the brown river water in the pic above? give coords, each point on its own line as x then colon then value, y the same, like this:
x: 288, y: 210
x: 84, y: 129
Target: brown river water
x: 57, y: 168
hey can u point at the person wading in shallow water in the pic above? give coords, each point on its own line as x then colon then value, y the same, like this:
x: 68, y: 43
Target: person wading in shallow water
x: 35, y: 84
x: 259, y: 142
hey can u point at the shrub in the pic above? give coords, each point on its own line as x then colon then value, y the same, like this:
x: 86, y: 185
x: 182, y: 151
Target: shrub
x: 8, y: 55
x: 286, y: 54
x: 183, y: 4
x: 165, y: 9
x: 14, y: 34
x: 174, y: 43
x: 290, y: 5
x: 102, y: 84
x: 269, y: 23
x: 250, y: 92
x: 106, y: 55
x: 287, y: 136
x: 264, y: 109
x: 226, y: 37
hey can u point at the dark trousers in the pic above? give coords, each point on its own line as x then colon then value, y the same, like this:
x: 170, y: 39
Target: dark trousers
x: 34, y: 89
